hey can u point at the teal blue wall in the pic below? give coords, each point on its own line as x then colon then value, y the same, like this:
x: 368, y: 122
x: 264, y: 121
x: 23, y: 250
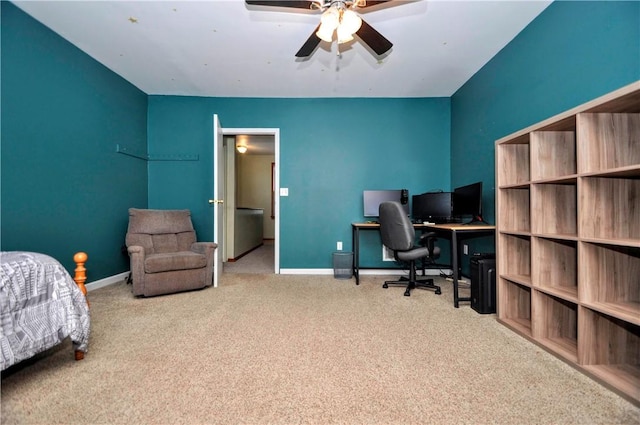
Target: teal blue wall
x: 573, y: 52
x: 330, y: 151
x: 64, y: 188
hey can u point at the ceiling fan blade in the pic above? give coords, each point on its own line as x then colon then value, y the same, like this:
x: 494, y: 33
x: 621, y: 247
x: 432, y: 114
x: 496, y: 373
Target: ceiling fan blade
x: 296, y: 4
x: 310, y: 45
x: 373, y: 39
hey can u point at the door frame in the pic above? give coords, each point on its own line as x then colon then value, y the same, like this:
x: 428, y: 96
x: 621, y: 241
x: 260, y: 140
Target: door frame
x: 275, y: 132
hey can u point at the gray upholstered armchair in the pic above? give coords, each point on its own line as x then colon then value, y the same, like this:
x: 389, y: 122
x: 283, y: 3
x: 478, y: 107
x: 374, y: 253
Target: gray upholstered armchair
x: 164, y: 254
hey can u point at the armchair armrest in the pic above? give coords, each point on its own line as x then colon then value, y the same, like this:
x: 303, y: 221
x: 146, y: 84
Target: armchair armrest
x: 206, y: 249
x: 203, y: 247
x: 136, y: 264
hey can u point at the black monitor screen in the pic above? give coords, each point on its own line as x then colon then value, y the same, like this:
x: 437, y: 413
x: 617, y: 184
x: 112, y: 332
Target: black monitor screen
x: 373, y: 199
x: 467, y: 201
x: 434, y: 207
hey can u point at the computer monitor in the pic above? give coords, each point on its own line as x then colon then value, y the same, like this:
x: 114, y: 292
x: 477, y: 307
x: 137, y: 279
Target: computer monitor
x: 434, y: 207
x: 467, y: 201
x: 373, y: 198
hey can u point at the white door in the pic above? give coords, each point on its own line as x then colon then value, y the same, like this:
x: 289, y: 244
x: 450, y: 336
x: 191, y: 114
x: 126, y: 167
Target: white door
x: 217, y: 202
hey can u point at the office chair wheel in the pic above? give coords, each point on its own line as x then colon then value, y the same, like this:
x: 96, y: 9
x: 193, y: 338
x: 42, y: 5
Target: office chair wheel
x: 385, y: 286
x: 438, y: 291
x: 407, y: 293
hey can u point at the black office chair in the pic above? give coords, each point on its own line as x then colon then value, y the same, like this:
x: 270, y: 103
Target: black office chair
x: 398, y: 234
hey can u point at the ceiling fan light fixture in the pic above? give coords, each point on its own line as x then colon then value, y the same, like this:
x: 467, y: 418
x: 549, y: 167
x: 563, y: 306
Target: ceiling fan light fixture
x: 325, y: 33
x: 329, y: 21
x: 344, y: 35
x: 350, y: 21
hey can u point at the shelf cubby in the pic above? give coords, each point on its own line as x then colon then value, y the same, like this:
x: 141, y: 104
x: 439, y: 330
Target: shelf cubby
x: 515, y: 259
x: 609, y: 208
x: 610, y: 280
x: 553, y: 154
x: 516, y: 300
x: 609, y: 348
x: 513, y: 160
x: 555, y: 324
x: 554, y: 209
x: 608, y: 141
x: 555, y: 267
x: 514, y: 209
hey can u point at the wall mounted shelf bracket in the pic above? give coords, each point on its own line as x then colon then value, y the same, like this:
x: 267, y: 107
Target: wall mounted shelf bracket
x: 163, y: 157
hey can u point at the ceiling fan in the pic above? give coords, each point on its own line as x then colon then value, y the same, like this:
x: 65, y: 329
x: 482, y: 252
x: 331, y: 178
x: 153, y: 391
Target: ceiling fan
x: 339, y: 17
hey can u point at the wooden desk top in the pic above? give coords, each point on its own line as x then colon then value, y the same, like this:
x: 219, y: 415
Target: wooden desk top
x: 461, y: 227
x: 449, y: 226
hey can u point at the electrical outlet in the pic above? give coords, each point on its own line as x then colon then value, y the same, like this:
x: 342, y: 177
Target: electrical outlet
x: 465, y: 249
x: 387, y: 254
x: 339, y: 246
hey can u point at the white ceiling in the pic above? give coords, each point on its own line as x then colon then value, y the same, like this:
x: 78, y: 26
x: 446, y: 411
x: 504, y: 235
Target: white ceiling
x: 228, y: 49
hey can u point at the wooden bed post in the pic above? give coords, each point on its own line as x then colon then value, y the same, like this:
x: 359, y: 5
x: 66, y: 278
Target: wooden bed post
x: 81, y: 272
x: 80, y: 277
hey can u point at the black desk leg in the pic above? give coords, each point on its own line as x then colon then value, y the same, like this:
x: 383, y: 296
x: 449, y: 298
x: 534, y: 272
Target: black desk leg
x: 355, y: 242
x: 455, y: 267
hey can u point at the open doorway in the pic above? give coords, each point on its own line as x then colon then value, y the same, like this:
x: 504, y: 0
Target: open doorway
x: 251, y: 232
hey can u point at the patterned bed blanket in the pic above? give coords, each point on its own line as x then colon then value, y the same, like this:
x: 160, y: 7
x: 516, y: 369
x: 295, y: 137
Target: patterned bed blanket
x: 40, y: 306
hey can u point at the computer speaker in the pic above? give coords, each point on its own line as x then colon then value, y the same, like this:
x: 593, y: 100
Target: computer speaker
x: 404, y: 196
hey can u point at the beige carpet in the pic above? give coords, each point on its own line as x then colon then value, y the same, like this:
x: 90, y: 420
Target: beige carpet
x: 283, y: 349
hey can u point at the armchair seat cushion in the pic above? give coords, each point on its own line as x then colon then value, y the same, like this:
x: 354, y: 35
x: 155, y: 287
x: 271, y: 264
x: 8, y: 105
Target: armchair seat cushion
x: 183, y: 260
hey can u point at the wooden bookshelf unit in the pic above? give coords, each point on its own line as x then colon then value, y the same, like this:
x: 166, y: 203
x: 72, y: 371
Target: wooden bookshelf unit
x: 568, y: 237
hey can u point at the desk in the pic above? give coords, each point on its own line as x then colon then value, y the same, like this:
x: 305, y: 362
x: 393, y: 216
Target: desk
x: 454, y: 232
x: 355, y: 242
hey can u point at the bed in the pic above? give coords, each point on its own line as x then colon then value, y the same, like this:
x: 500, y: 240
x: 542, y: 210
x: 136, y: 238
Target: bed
x: 41, y: 306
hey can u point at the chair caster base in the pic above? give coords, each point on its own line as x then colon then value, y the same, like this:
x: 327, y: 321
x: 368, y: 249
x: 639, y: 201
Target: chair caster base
x: 438, y: 291
x: 407, y: 293
x: 385, y: 286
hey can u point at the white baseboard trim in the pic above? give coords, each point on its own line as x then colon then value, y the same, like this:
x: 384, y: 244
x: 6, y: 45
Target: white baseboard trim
x: 363, y: 272
x: 306, y: 271
x: 106, y: 281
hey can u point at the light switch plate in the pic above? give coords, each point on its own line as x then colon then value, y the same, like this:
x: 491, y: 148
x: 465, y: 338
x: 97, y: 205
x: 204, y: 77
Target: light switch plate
x: 284, y: 191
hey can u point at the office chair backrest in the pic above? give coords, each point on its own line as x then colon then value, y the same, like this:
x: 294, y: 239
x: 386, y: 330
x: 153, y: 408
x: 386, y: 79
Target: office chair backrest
x: 396, y: 229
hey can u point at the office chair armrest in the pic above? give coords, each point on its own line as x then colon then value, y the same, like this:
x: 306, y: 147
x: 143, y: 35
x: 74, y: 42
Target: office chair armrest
x: 427, y: 235
x: 428, y: 239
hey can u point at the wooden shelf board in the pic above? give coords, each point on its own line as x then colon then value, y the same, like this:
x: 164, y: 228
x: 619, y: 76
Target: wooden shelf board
x: 559, y: 236
x: 569, y: 180
x: 629, y: 171
x: 566, y: 293
x: 514, y: 233
x: 565, y: 347
x: 623, y: 377
x: 627, y: 101
x: 522, y: 279
x: 521, y: 139
x: 628, y: 311
x: 522, y: 326
x: 635, y: 243
x: 519, y: 185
